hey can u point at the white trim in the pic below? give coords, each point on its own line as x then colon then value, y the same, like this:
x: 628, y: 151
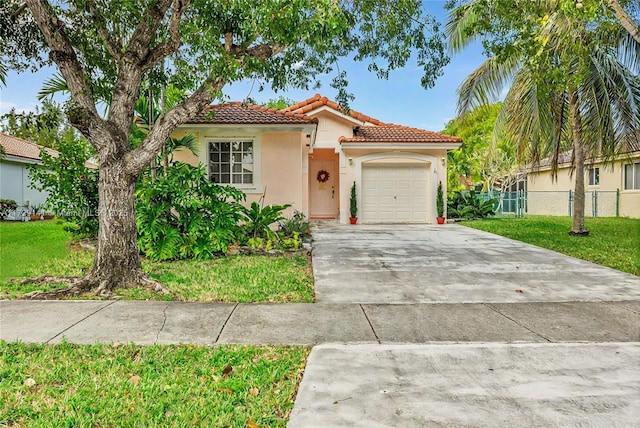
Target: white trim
x: 21, y: 159
x: 383, y: 146
x: 256, y: 187
x: 335, y: 113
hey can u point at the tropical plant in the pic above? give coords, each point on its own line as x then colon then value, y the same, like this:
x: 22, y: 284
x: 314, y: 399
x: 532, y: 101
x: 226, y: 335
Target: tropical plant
x: 297, y: 223
x: 353, y: 202
x: 572, y: 81
x: 183, y: 215
x: 468, y: 205
x: 440, y: 200
x: 71, y: 185
x: 259, y: 220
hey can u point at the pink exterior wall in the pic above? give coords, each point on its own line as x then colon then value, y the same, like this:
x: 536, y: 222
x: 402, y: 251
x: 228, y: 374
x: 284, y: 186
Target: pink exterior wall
x: 281, y: 169
x: 278, y: 168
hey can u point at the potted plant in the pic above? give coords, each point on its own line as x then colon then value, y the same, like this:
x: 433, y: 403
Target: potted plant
x: 353, y: 205
x: 440, y: 203
x: 34, y: 213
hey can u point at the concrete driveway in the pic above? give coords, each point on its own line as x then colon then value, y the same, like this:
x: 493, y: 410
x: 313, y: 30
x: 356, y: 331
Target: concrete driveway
x: 452, y: 264
x: 470, y: 385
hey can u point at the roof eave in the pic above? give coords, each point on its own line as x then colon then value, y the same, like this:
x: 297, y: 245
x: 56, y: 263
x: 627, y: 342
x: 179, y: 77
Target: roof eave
x: 398, y: 145
x: 336, y: 113
x: 21, y: 159
x: 284, y: 127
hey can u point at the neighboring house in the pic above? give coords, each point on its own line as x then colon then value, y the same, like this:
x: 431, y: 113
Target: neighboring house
x: 309, y: 155
x: 14, y: 174
x: 611, y: 188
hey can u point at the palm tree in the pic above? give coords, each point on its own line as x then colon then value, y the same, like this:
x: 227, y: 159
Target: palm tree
x: 577, y: 89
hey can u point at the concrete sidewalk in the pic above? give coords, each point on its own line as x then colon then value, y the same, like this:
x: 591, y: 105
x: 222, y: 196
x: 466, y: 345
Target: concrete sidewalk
x: 311, y: 324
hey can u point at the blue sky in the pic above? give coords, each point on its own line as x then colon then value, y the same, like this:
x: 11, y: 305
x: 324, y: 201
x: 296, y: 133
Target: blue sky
x: 400, y: 99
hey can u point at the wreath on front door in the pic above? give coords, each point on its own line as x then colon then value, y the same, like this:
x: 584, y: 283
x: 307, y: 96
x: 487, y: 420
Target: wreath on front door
x: 323, y: 176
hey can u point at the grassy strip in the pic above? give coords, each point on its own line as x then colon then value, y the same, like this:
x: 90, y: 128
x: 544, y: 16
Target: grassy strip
x: 612, y: 242
x: 182, y: 385
x: 33, y: 249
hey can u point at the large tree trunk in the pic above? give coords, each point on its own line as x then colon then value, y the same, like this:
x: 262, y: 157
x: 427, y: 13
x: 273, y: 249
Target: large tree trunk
x: 117, y: 262
x: 578, y: 151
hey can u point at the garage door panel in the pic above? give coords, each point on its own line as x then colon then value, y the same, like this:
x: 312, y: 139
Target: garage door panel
x: 402, y: 185
x: 395, y: 193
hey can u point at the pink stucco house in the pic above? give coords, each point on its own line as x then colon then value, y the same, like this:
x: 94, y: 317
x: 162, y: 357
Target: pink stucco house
x: 308, y: 155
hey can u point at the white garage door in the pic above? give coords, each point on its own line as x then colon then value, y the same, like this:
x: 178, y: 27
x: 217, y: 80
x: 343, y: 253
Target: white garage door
x: 395, y: 193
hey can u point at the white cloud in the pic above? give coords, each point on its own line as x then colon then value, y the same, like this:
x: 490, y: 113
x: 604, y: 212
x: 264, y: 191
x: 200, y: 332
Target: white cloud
x: 5, y: 107
x: 297, y: 65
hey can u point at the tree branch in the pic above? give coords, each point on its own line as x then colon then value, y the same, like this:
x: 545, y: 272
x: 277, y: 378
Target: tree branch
x: 629, y: 24
x: 175, y: 39
x: 137, y: 159
x: 265, y: 51
x: 145, y: 31
x: 112, y: 47
x: 126, y: 89
x: 86, y: 117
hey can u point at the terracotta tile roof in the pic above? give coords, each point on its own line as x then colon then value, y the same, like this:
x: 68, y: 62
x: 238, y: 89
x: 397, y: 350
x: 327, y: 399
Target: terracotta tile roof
x: 250, y: 114
x: 318, y: 101
x: 396, y: 134
x: 15, y: 146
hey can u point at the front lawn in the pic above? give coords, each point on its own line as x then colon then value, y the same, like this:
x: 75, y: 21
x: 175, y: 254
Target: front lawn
x: 38, y: 248
x: 180, y: 385
x: 612, y: 242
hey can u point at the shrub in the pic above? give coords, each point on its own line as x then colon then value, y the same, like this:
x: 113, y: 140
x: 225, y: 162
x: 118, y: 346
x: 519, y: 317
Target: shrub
x: 183, y: 215
x: 258, y: 220
x: 297, y: 223
x: 72, y: 187
x: 353, y: 202
x: 440, y: 200
x: 467, y: 205
x: 6, y: 206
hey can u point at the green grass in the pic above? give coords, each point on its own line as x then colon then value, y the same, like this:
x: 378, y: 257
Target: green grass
x: 183, y: 385
x: 38, y: 248
x: 612, y: 242
x: 26, y: 246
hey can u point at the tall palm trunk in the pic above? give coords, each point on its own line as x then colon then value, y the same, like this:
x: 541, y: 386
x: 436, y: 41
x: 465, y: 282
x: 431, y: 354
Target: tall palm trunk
x: 626, y: 21
x: 578, y: 151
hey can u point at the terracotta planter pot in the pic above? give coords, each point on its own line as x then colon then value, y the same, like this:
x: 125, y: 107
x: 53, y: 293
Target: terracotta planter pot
x: 353, y: 220
x: 48, y: 216
x: 441, y: 220
x: 34, y: 217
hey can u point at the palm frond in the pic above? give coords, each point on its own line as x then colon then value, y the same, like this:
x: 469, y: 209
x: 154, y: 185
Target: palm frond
x: 188, y: 142
x: 3, y: 74
x: 53, y: 85
x: 485, y: 84
x: 459, y: 27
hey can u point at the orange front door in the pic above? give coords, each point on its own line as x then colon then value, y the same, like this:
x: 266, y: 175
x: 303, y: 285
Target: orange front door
x: 323, y: 196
